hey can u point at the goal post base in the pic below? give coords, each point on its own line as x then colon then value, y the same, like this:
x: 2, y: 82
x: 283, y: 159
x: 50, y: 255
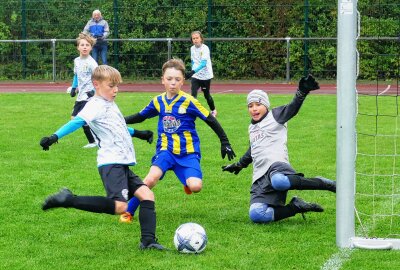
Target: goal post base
x: 375, y: 243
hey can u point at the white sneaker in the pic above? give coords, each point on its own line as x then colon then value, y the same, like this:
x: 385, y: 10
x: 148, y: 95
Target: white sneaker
x: 214, y: 113
x: 90, y: 145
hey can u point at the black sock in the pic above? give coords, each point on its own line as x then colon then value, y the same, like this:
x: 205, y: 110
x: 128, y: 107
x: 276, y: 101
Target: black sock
x: 147, y: 220
x: 88, y: 134
x: 96, y: 204
x: 282, y: 212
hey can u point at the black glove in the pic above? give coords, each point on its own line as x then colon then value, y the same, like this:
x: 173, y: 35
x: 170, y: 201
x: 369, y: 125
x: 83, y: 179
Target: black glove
x: 226, y: 149
x: 45, y: 142
x: 146, y: 135
x: 90, y: 93
x: 189, y: 75
x: 233, y: 168
x: 73, y: 92
x: 307, y: 84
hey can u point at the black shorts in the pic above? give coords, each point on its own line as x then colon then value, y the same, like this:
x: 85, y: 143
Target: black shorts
x: 203, y: 84
x: 78, y: 107
x: 262, y: 190
x: 119, y: 181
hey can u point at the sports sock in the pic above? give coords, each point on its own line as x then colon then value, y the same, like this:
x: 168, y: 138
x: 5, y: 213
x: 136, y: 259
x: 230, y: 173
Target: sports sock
x: 282, y: 212
x: 133, y: 204
x: 96, y: 204
x: 147, y: 220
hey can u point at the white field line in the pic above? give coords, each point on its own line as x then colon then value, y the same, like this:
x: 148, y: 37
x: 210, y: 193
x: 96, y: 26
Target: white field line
x: 384, y: 91
x: 338, y: 259
x: 226, y: 91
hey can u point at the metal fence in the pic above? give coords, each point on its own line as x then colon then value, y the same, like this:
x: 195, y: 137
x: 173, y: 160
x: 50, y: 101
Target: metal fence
x: 285, y: 61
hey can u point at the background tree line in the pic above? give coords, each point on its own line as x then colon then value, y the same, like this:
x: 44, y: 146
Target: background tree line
x: 239, y: 59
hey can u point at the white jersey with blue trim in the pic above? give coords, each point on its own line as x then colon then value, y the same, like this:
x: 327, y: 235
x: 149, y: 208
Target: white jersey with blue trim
x: 110, y: 130
x: 83, y: 68
x: 197, y: 54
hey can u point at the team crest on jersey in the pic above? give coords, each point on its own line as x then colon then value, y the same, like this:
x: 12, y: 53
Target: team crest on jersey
x: 171, y: 124
x: 181, y: 110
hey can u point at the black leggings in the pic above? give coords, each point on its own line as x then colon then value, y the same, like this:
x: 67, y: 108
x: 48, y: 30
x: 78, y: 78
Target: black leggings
x: 205, y: 87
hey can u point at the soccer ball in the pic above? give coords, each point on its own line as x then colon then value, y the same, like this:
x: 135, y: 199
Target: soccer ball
x: 190, y: 238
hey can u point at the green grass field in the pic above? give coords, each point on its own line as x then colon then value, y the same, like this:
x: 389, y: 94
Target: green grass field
x: 73, y: 239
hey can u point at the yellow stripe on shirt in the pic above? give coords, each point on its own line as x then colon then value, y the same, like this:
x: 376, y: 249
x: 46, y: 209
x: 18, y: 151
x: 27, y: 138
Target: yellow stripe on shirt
x: 164, y: 142
x: 176, y: 142
x: 189, y: 142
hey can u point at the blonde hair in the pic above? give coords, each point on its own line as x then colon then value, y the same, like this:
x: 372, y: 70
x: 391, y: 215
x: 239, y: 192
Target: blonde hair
x: 105, y: 72
x: 86, y: 37
x: 175, y: 63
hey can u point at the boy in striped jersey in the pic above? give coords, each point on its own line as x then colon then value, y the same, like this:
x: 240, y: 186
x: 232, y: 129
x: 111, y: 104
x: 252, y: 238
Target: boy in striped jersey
x: 178, y: 144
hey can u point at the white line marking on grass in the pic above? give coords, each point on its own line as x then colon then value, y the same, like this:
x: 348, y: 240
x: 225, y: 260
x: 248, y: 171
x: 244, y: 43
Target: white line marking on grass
x: 336, y: 261
x: 226, y: 91
x: 384, y: 91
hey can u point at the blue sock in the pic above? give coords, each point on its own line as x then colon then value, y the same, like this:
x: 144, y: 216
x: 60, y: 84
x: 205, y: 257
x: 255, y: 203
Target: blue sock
x: 133, y: 204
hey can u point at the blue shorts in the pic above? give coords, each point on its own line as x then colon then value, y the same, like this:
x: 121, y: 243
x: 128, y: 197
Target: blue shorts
x: 183, y: 167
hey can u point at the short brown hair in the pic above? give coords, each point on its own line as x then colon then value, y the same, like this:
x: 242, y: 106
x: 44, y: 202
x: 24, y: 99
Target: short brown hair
x: 86, y: 37
x: 175, y: 63
x: 105, y: 72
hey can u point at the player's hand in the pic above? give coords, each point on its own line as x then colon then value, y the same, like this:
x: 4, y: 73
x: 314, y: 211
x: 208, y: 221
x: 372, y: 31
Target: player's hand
x: 189, y: 75
x: 90, y: 93
x: 307, y: 84
x: 232, y: 168
x: 46, y: 142
x: 226, y: 150
x: 73, y: 92
x: 146, y: 135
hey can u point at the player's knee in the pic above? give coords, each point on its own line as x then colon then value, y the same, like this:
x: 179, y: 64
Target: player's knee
x: 280, y: 182
x: 195, y: 186
x: 144, y: 193
x: 261, y: 213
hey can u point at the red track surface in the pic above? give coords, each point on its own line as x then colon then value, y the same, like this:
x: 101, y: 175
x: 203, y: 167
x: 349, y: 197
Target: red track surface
x: 216, y: 88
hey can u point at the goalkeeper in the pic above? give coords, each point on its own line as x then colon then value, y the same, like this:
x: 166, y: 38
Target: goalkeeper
x: 273, y: 175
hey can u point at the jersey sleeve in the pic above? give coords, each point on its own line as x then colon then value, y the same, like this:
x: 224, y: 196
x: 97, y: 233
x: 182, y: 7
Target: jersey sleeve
x: 70, y: 127
x: 152, y: 109
x: 197, y: 109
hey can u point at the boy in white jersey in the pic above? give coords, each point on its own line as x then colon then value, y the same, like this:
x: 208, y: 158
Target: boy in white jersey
x: 114, y: 156
x: 84, y: 66
x: 202, y: 71
x: 273, y: 175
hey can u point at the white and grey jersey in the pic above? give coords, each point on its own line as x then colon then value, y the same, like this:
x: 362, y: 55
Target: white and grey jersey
x: 110, y: 130
x: 268, y: 137
x: 83, y: 68
x: 197, y: 54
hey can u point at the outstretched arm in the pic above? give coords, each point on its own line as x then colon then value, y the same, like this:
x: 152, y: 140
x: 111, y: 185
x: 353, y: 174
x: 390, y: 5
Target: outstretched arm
x: 146, y: 135
x: 244, y: 161
x: 134, y: 118
x: 68, y: 128
x: 226, y: 149
x: 284, y: 113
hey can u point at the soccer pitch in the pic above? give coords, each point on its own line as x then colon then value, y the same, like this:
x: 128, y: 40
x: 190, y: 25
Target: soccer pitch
x: 73, y: 239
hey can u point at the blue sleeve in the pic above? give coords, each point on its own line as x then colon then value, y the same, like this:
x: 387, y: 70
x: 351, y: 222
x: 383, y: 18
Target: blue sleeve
x: 70, y: 127
x: 203, y: 63
x: 131, y: 131
x: 75, y: 81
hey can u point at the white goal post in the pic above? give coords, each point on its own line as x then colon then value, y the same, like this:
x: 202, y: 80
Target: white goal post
x: 346, y: 134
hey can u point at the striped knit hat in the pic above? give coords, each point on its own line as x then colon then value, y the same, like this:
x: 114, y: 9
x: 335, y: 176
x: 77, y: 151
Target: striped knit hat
x: 258, y: 96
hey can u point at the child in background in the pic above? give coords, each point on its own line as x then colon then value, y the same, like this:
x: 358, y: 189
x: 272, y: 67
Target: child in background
x: 178, y: 144
x: 114, y: 156
x: 273, y: 175
x: 84, y: 66
x: 202, y: 71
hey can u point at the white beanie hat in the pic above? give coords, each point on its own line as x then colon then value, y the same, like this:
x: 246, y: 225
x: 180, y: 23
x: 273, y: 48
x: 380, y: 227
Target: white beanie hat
x: 258, y: 96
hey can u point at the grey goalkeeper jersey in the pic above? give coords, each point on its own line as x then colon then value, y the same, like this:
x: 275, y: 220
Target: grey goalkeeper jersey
x: 268, y: 137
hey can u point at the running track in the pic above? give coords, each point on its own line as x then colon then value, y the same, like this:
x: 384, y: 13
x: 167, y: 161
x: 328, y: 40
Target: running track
x: 229, y: 88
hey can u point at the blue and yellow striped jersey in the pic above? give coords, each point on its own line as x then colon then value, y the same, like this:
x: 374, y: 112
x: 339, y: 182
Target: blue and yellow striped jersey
x: 176, y: 123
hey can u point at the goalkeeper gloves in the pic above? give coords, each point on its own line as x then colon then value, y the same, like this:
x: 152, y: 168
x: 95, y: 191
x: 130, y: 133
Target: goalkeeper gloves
x: 146, y: 135
x: 189, y: 75
x: 307, y: 84
x: 73, y: 92
x: 226, y: 150
x: 233, y: 168
x: 45, y: 142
